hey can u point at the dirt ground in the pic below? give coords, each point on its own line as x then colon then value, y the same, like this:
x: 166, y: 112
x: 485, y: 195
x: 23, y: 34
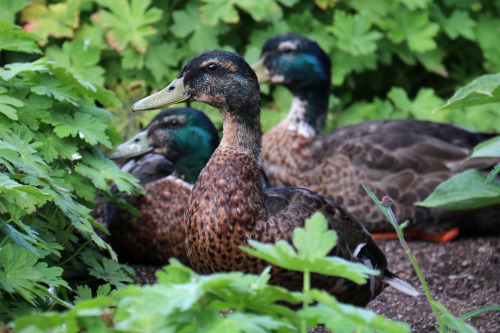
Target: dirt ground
x: 463, y: 275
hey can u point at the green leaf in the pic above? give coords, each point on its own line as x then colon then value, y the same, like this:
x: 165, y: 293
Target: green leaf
x: 128, y: 23
x: 7, y: 105
x: 17, y: 150
x: 82, y: 125
x: 487, y: 35
x: 310, y: 256
x: 225, y: 10
x: 52, y: 146
x: 316, y: 231
x: 57, y: 20
x: 466, y: 190
x: 100, y: 169
x: 414, y: 28
x: 85, y: 293
x: 47, y: 85
x: 79, y: 58
x: 15, y: 69
x: 20, y: 272
x: 354, y: 34
x: 453, y: 323
x: 8, y: 10
x: 485, y: 89
x: 29, y: 239
x: 108, y: 270
x: 12, y: 38
x: 493, y: 173
x: 188, y: 21
x: 459, y: 24
x: 158, y: 64
x: 488, y: 148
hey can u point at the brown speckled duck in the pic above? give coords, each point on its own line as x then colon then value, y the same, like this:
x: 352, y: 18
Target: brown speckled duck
x: 405, y: 159
x: 180, y: 142
x: 228, y: 204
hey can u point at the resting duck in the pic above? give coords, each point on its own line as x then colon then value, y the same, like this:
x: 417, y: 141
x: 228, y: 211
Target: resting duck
x: 405, y: 159
x: 229, y: 205
x: 180, y: 142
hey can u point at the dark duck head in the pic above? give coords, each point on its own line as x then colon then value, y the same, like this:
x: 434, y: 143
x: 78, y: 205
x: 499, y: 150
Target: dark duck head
x: 184, y: 136
x: 228, y: 204
x: 171, y: 150
x: 304, y: 68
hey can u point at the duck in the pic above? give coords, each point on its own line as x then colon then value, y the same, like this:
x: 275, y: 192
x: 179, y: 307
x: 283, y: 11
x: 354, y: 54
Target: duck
x: 404, y: 159
x: 169, y: 155
x: 229, y: 204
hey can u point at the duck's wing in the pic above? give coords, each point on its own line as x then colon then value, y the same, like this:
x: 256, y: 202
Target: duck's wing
x: 289, y: 207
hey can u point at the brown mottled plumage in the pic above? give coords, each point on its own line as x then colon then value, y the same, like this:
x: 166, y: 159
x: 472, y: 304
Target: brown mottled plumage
x: 182, y: 140
x: 228, y: 204
x: 405, y: 159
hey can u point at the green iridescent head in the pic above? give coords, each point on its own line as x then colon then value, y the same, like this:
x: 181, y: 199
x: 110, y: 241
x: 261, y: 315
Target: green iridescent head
x: 185, y: 136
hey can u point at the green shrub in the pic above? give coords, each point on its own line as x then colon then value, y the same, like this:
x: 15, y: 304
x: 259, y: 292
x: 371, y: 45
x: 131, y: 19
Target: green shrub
x: 50, y: 173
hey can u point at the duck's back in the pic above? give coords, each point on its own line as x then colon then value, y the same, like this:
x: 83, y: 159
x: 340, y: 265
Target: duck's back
x: 405, y: 159
x: 158, y: 234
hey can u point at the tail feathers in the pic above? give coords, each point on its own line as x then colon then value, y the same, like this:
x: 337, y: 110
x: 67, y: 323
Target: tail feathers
x: 401, y: 285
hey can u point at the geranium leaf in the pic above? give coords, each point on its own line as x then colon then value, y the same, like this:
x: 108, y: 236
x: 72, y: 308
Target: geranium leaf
x: 466, y: 190
x: 128, y: 22
x: 12, y: 38
x: 413, y: 27
x: 57, y: 20
x: 485, y: 89
x: 354, y: 34
x: 78, y: 58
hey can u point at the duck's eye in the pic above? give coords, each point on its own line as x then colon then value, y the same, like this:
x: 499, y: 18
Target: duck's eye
x: 212, y: 67
x: 286, y: 50
x: 173, y: 123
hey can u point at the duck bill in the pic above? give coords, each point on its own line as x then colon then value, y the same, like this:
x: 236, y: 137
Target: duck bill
x: 260, y: 71
x: 136, y: 146
x: 172, y: 94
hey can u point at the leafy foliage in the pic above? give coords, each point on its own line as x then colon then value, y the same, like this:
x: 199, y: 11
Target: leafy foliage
x: 391, y: 59
x: 471, y: 188
x: 50, y: 127
x: 184, y: 301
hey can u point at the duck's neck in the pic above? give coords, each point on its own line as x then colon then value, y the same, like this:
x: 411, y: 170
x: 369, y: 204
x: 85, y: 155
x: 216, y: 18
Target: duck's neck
x: 189, y: 168
x: 243, y: 131
x: 309, y: 107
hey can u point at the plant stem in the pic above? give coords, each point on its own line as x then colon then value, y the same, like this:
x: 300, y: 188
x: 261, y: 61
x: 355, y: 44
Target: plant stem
x: 305, y: 303
x: 410, y: 255
x: 74, y: 254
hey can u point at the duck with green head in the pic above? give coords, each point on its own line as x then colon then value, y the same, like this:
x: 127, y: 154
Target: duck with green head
x: 405, y: 159
x: 229, y: 205
x: 178, y: 142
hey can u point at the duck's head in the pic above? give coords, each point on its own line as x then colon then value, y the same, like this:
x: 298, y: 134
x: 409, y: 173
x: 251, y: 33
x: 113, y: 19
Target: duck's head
x: 185, y: 136
x: 219, y: 78
x: 224, y: 80
x: 294, y: 61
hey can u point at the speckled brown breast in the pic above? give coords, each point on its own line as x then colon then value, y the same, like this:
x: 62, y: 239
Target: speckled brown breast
x: 227, y: 207
x: 406, y: 163
x: 159, y: 234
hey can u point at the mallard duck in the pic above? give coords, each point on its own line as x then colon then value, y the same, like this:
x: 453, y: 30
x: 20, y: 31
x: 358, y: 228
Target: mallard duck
x: 180, y: 142
x: 405, y: 159
x: 229, y: 205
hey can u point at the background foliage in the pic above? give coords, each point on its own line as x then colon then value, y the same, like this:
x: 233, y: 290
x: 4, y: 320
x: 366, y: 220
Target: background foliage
x: 391, y: 59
